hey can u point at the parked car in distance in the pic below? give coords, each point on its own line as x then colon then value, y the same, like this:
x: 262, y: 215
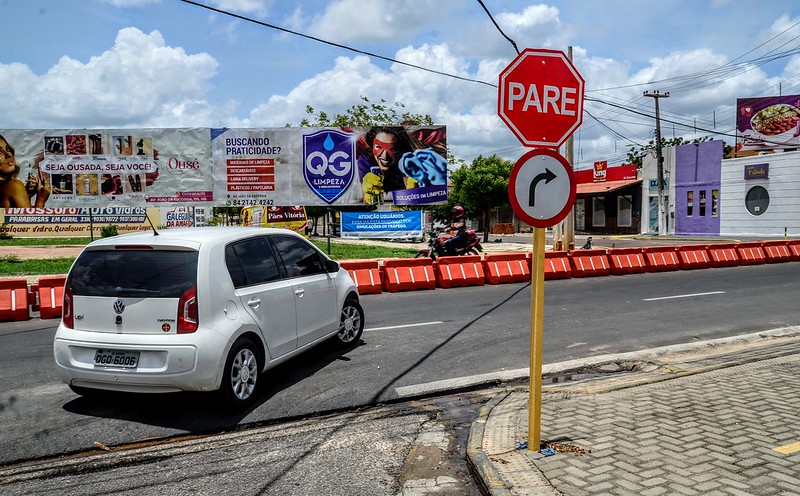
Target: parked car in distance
x: 199, y: 309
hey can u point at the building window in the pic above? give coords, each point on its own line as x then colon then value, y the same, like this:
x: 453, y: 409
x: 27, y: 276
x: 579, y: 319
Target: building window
x: 715, y: 203
x: 702, y: 203
x: 757, y: 200
x: 624, y: 207
x: 598, y: 211
x: 689, y: 203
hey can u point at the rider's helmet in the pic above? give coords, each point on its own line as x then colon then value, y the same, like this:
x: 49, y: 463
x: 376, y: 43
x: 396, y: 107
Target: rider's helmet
x: 457, y: 212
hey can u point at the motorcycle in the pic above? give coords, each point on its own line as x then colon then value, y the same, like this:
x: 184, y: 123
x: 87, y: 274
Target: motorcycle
x: 437, y: 246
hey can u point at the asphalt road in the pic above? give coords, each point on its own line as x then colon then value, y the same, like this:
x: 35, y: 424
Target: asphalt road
x: 412, y: 340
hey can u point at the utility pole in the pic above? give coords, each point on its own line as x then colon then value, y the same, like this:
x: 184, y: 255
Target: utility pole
x: 660, y: 161
x: 564, y: 231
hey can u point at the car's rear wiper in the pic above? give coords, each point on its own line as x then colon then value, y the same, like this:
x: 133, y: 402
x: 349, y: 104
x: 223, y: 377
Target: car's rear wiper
x: 136, y: 291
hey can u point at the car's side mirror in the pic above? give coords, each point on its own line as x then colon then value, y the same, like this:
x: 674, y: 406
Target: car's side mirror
x: 331, y: 266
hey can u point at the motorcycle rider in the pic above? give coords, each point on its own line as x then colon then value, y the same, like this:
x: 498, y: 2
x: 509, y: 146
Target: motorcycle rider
x: 459, y: 239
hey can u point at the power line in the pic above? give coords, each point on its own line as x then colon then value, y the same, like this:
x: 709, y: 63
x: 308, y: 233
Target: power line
x: 333, y: 44
x: 498, y: 27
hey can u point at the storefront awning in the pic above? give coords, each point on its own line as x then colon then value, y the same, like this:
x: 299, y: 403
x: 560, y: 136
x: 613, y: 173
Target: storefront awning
x: 604, y: 187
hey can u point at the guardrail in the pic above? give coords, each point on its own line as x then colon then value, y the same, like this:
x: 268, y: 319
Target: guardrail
x: 20, y: 300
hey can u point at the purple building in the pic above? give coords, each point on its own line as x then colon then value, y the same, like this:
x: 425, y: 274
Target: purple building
x: 698, y: 168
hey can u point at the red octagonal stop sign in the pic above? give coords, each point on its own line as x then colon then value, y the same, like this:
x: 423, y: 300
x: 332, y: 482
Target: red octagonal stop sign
x: 540, y: 97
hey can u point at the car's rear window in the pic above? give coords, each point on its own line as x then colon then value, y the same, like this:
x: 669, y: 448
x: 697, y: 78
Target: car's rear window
x: 134, y: 273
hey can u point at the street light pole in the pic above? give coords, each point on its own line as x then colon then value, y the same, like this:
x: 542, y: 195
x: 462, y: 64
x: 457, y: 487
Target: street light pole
x: 660, y: 161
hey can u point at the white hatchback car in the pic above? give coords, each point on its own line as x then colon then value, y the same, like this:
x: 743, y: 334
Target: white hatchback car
x: 198, y: 309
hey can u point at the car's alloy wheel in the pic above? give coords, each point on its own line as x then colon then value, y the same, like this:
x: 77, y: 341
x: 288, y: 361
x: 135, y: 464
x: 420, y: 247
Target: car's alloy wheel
x: 352, y: 323
x: 241, y: 373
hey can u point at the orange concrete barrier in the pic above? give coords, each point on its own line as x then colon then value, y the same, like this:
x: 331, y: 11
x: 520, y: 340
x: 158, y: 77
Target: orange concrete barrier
x: 408, y: 274
x: 661, y: 258
x: 751, y: 253
x: 776, y: 251
x: 693, y: 257
x: 51, y: 296
x: 556, y: 265
x: 794, y: 248
x: 626, y: 260
x: 366, y: 274
x: 589, y: 263
x: 723, y: 255
x: 502, y: 268
x: 14, y: 299
x: 459, y: 271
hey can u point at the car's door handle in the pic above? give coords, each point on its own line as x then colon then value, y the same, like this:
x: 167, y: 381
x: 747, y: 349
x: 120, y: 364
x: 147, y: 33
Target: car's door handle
x: 254, y: 302
x: 299, y: 292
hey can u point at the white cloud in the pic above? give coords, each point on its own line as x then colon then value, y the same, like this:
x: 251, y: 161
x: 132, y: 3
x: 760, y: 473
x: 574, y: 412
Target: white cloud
x: 130, y: 3
x: 257, y: 7
x: 535, y: 26
x: 139, y: 81
x: 355, y: 20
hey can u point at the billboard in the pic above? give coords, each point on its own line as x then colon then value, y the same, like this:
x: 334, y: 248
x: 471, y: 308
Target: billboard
x: 83, y: 222
x: 75, y: 222
x: 767, y: 123
x: 96, y: 168
x: 293, y: 217
x: 385, y: 225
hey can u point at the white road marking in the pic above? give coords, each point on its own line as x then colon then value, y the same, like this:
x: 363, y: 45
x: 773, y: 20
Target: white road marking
x: 684, y: 296
x: 404, y: 326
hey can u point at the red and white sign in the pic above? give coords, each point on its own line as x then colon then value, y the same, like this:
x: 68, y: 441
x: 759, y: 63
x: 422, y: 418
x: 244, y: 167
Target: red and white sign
x: 600, y: 170
x: 540, y: 97
x: 542, y: 188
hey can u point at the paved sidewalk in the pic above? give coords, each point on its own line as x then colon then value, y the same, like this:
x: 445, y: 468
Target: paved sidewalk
x: 719, y: 420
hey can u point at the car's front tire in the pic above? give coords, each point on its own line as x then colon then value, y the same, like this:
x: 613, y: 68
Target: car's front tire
x: 241, y: 374
x: 351, y: 323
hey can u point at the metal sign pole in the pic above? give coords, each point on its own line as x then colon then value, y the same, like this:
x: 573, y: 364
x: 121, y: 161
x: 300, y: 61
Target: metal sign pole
x: 537, y: 332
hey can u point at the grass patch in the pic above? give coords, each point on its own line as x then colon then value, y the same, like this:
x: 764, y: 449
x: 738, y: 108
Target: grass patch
x: 347, y: 251
x: 44, y: 241
x: 14, y: 266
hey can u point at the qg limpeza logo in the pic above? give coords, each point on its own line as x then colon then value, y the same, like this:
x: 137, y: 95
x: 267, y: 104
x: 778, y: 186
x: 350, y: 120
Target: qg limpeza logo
x: 328, y: 163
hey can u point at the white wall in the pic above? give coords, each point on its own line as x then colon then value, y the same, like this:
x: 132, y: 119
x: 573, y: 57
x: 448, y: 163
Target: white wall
x: 649, y: 172
x: 783, y: 186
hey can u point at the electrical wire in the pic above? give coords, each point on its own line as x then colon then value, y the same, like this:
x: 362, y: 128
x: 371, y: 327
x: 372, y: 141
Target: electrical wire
x: 684, y: 82
x: 498, y: 27
x: 334, y: 44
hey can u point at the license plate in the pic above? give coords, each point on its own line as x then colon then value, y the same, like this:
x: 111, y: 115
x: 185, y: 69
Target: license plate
x: 119, y: 359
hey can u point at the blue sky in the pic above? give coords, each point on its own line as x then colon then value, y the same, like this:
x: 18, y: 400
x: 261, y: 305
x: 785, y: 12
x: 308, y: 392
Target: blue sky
x: 167, y: 63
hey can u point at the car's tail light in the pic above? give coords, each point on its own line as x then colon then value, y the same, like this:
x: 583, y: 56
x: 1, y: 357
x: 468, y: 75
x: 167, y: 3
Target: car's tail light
x: 187, y: 311
x: 68, y: 314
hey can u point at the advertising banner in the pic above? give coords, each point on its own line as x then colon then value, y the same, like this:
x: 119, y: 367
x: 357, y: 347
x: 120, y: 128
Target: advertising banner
x: 767, y: 123
x: 75, y: 222
x: 101, y: 168
x: 330, y: 166
x: 293, y: 218
x: 382, y: 224
x: 222, y: 167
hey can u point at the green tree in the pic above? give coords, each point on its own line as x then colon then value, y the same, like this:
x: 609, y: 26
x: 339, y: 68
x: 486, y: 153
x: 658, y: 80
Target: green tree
x: 366, y: 114
x: 480, y: 187
x: 636, y: 155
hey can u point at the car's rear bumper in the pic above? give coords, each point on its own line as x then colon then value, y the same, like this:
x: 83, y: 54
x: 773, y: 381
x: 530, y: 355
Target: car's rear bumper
x: 168, y: 367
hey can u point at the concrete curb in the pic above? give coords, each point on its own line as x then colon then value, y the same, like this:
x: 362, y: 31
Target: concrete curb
x: 479, y: 463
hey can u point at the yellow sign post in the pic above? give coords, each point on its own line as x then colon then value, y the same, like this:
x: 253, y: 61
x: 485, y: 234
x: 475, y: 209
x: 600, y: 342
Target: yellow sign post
x: 537, y: 333
x: 542, y: 191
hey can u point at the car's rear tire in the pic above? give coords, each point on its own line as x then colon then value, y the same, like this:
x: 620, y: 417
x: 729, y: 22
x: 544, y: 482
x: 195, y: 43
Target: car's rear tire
x: 241, y: 374
x: 351, y: 323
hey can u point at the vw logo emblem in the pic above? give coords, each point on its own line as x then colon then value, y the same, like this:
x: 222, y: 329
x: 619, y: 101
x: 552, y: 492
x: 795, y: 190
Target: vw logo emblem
x: 119, y: 306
